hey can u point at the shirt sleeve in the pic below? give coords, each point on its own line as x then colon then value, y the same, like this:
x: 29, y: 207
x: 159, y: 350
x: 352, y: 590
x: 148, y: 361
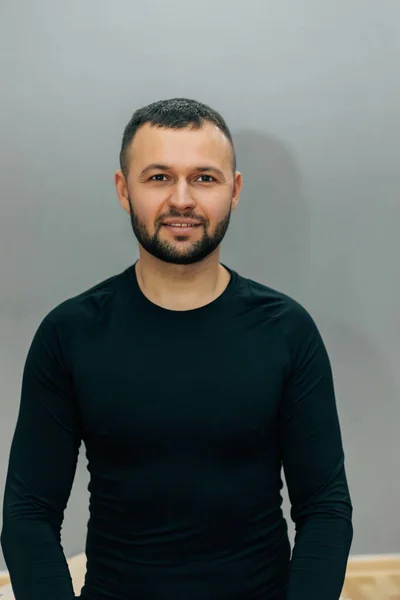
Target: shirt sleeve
x: 313, y: 463
x: 40, y: 474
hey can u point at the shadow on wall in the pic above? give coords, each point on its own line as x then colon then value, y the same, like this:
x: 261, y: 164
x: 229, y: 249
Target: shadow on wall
x: 269, y: 235
x: 271, y: 226
x: 368, y: 403
x: 271, y: 242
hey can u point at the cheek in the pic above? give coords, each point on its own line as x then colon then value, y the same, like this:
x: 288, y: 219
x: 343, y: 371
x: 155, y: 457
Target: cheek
x: 147, y: 206
x: 219, y: 211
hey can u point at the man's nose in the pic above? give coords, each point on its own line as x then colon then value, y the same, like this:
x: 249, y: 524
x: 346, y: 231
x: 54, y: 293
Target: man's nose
x: 181, y: 197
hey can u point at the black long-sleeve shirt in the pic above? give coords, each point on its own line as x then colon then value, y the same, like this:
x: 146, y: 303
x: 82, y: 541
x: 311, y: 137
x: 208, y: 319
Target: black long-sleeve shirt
x: 187, y: 418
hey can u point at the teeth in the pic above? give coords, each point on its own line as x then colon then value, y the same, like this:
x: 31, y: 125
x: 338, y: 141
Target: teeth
x: 180, y: 225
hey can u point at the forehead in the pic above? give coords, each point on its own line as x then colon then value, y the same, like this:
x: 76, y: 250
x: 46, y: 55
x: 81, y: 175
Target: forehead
x: 181, y: 146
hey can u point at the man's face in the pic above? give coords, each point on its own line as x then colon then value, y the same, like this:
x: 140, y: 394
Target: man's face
x: 176, y: 174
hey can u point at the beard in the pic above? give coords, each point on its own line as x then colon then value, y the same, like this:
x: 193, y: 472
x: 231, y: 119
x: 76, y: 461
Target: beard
x: 173, y: 252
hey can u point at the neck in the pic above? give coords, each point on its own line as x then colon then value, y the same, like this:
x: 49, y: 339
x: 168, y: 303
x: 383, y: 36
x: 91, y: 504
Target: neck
x: 181, y: 287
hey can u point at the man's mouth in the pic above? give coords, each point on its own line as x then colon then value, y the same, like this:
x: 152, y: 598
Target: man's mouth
x: 181, y: 227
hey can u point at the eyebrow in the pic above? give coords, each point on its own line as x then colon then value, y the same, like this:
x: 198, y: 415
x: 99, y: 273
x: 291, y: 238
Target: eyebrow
x: 160, y: 167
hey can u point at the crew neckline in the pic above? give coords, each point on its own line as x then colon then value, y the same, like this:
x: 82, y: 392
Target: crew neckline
x: 214, y: 306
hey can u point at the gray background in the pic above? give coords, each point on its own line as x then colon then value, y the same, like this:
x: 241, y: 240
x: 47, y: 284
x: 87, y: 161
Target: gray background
x: 311, y: 91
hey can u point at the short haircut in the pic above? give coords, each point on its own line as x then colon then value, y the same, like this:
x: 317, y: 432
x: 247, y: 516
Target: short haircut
x: 175, y: 113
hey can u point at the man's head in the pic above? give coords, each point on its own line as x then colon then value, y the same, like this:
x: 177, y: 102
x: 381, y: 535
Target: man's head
x: 178, y: 162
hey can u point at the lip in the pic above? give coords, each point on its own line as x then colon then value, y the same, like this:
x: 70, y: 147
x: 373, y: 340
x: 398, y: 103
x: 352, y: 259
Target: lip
x: 182, y: 229
x: 171, y: 221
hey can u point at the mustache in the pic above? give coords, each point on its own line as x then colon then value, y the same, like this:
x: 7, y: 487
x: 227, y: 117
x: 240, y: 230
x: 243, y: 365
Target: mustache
x: 173, y: 215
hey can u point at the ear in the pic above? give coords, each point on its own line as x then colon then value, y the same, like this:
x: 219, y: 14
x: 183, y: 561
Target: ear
x: 121, y: 187
x: 238, y: 184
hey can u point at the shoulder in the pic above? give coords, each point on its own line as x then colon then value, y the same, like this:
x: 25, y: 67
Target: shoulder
x: 279, y: 305
x: 291, y: 316
x: 84, y: 309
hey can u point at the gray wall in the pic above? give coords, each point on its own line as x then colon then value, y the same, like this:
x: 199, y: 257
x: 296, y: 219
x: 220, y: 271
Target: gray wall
x: 311, y: 90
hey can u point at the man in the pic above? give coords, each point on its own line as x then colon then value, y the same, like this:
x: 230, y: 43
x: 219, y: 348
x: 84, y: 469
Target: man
x: 191, y: 387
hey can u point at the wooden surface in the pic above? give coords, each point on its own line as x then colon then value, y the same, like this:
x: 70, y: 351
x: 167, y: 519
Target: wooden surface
x: 372, y: 578
x: 367, y: 578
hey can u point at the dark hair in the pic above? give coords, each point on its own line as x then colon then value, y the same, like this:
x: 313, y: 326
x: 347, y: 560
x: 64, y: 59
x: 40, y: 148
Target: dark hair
x: 174, y: 113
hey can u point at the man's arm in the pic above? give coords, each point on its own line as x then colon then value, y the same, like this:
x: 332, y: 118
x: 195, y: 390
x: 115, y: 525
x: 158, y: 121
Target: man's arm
x: 41, y: 471
x: 313, y: 462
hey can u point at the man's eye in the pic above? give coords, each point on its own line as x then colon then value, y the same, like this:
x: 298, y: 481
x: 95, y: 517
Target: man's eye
x: 209, y: 178
x: 159, y: 177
